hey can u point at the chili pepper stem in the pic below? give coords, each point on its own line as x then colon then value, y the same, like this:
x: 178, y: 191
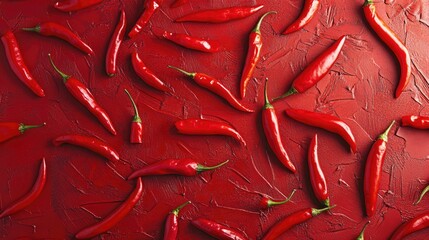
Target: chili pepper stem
x: 291, y: 91
x: 315, y: 211
x: 384, y: 135
x: 267, y: 102
x: 422, y: 194
x: 202, y: 168
x: 257, y: 28
x: 136, y: 111
x: 177, y: 210
x: 33, y: 29
x: 361, y: 237
x: 63, y: 75
x: 326, y: 202
x: 368, y: 2
x: 273, y: 203
x: 189, y: 74
x: 22, y: 127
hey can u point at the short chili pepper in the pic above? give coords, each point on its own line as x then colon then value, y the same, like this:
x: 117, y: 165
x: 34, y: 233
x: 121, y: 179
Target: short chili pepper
x: 316, y: 70
x: 212, y: 84
x: 184, y: 167
x: 418, y: 223
x: 197, y: 126
x: 270, y: 125
x: 266, y: 202
x: 422, y: 194
x: 179, y: 3
x: 115, y: 43
x: 307, y: 13
x: 146, y: 74
x: 419, y: 122
x: 83, y: 95
x: 17, y: 64
x: 31, y: 196
x: 74, y: 5
x: 136, y: 135
x: 373, y: 171
x: 217, y: 230
x: 253, y: 54
x: 317, y: 177
x: 392, y: 41
x: 325, y: 121
x: 172, y: 223
x: 190, y: 42
x: 10, y: 130
x: 114, y: 217
x: 61, y: 32
x: 361, y: 235
x: 150, y: 7
x: 220, y: 15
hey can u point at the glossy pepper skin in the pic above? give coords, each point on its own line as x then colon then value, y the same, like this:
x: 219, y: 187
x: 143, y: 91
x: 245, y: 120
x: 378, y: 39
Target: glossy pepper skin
x: 10, y: 130
x: 418, y: 223
x: 307, y: 13
x: 220, y: 15
x: 217, y: 230
x: 419, y: 122
x: 179, y: 3
x: 17, y: 64
x: 136, y: 135
x: 150, y: 7
x: 74, y: 5
x: 115, y: 43
x: 146, y: 74
x: 172, y: 223
x: 190, y: 42
x: 392, y: 41
x: 317, y: 177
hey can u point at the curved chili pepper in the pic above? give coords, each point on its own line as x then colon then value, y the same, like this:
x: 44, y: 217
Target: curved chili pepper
x: 179, y: 3
x: 316, y: 70
x: 74, y: 5
x: 253, y: 54
x: 317, y: 178
x: 422, y: 194
x: 217, y: 230
x: 172, y: 223
x: 115, y: 43
x: 272, y: 133
x: 114, y: 217
x: 392, y: 41
x: 418, y: 223
x: 32, y: 195
x: 419, y: 122
x: 307, y: 13
x: 196, y: 126
x: 266, y: 202
x: 146, y: 74
x: 185, y: 167
x: 16, y: 62
x: 220, y: 15
x: 373, y: 171
x: 324, y: 121
x: 61, y: 32
x: 81, y: 93
x: 10, y: 130
x: 195, y: 43
x: 214, y: 86
x: 361, y: 235
x: 150, y: 7
x: 136, y: 125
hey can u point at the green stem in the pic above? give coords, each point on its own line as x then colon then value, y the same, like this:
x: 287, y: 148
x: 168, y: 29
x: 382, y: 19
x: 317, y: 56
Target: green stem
x: 189, y: 74
x: 315, y: 211
x: 33, y: 29
x: 326, y: 202
x: 136, y: 111
x: 22, y: 127
x: 202, y: 168
x: 63, y: 75
x: 273, y: 203
x: 177, y: 210
x: 291, y: 91
x: 361, y: 235
x: 384, y: 135
x: 267, y: 102
x: 368, y: 2
x: 422, y: 194
x: 257, y: 28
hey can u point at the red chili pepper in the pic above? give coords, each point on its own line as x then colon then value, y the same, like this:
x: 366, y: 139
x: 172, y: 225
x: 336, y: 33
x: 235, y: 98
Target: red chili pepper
x: 16, y: 62
x: 361, y: 235
x: 308, y: 12
x: 136, y: 125
x: 81, y: 93
x: 185, y: 167
x: 114, y: 217
x: 272, y: 132
x: 196, y: 126
x: 419, y: 122
x: 324, y: 121
x: 115, y: 43
x: 266, y: 202
x: 150, y: 7
x: 317, y: 178
x: 217, y: 230
x: 418, y: 223
x: 74, y: 5
x: 179, y: 3
x: 200, y: 44
x: 422, y: 194
x: 31, y: 196
x: 216, y: 87
x: 316, y: 70
x: 220, y: 15
x: 10, y: 130
x: 253, y: 54
x: 392, y: 41
x: 373, y: 171
x: 146, y: 74
x: 172, y: 223
x: 59, y: 31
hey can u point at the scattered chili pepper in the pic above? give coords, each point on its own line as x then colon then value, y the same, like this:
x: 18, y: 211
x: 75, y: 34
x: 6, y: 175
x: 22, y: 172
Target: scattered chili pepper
x: 217, y: 230
x: 81, y: 93
x: 418, y: 223
x: 220, y: 15
x: 114, y: 217
x: 361, y: 235
x: 307, y: 13
x: 172, y: 223
x: 324, y: 121
x: 266, y: 202
x: 419, y: 122
x: 10, y: 130
x: 61, y: 32
x: 74, y: 5
x: 272, y: 133
x: 136, y: 125
x: 317, y: 178
x: 179, y: 3
x: 185, y: 167
x: 373, y: 171
x: 316, y: 70
x: 16, y: 62
x: 195, y: 43
x: 214, y: 86
x: 422, y: 194
x: 392, y: 41
x: 150, y: 7
x: 115, y: 43
x: 196, y: 126
x: 253, y: 54
x: 146, y: 74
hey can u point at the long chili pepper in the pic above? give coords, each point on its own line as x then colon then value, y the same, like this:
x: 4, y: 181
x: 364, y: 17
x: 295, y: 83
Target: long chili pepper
x: 317, y: 178
x: 214, y: 86
x: 179, y: 3
x: 81, y: 93
x: 115, y: 43
x: 316, y: 70
x: 419, y: 122
x: 195, y: 43
x: 61, y: 32
x: 253, y: 54
x: 114, y: 217
x: 172, y: 223
x: 270, y: 125
x: 17, y: 64
x: 422, y: 194
x: 418, y: 223
x: 150, y: 7
x: 185, y: 167
x: 10, y: 130
x: 90, y: 143
x: 196, y: 126
x: 32, y: 195
x: 266, y: 202
x: 217, y: 230
x: 220, y: 15
x: 146, y: 74
x: 307, y: 13
x: 373, y: 171
x: 74, y: 5
x: 328, y: 122
x: 136, y: 125
x: 361, y: 235
x: 392, y: 41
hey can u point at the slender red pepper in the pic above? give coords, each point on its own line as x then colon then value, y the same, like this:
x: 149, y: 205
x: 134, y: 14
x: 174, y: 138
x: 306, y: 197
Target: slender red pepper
x: 74, y: 5
x: 361, y: 235
x: 217, y: 230
x: 220, y: 15
x: 196, y: 126
x: 392, y: 41
x: 136, y: 125
x: 81, y: 93
x: 195, y: 43
x: 172, y: 223
x: 115, y: 43
x: 419, y: 122
x: 146, y: 74
x: 16, y: 62
x: 267, y: 202
x: 253, y: 54
x: 307, y: 13
x: 272, y: 133
x: 10, y: 130
x: 418, y: 223
x: 422, y: 194
x: 373, y: 171
x: 179, y: 3
x: 61, y: 32
x: 317, y: 178
x: 316, y: 70
x: 150, y: 7
x: 216, y: 87
x: 185, y: 167
x: 328, y: 122
x: 114, y: 217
